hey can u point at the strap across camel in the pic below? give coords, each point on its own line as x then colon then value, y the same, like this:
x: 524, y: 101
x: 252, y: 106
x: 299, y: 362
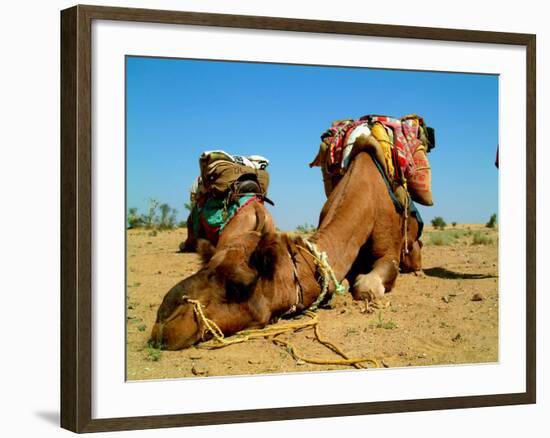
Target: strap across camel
x: 255, y: 274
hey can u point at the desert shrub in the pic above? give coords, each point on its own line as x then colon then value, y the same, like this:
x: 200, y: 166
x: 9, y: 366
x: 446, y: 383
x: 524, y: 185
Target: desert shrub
x: 436, y: 240
x: 457, y: 234
x: 167, y: 219
x: 439, y: 239
x: 381, y: 323
x: 439, y: 222
x: 153, y: 353
x: 481, y: 239
x: 182, y: 224
x: 158, y: 217
x: 305, y: 228
x: 150, y: 217
x: 133, y: 219
x: 454, y: 224
x: 172, y: 218
x: 164, y: 213
x: 492, y: 221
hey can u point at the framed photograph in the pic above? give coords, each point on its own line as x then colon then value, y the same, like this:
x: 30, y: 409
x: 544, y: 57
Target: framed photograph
x: 268, y: 218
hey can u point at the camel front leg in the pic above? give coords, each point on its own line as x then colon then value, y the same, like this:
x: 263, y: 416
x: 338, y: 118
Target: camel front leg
x: 376, y: 283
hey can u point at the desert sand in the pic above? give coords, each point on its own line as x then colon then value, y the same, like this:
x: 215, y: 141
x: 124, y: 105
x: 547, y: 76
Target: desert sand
x: 445, y: 314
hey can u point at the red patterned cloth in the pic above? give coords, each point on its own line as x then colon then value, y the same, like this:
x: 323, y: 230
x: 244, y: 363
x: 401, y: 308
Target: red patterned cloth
x: 405, y: 140
x: 409, y: 167
x: 335, y: 137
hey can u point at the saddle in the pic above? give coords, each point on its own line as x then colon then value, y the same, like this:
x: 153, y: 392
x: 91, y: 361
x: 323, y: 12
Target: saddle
x: 248, y: 185
x: 222, y: 172
x: 227, y: 184
x: 399, y: 146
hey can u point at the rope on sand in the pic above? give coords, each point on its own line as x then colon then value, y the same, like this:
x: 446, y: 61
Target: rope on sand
x: 272, y: 333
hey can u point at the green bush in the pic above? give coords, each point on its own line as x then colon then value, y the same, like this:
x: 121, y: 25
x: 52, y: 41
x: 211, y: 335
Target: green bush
x: 492, y: 221
x: 388, y: 325
x: 481, y: 239
x: 439, y: 222
x: 167, y: 219
x: 133, y: 219
x: 445, y: 237
x: 153, y: 354
x: 152, y: 220
x: 306, y: 228
x: 439, y: 239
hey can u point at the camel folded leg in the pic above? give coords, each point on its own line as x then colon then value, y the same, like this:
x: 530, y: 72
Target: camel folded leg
x: 188, y: 245
x: 376, y: 283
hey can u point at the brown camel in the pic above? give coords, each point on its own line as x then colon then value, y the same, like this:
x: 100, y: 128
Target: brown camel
x: 411, y: 254
x: 255, y: 277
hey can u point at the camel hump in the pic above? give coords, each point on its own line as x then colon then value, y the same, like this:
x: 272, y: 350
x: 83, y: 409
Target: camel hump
x: 399, y: 146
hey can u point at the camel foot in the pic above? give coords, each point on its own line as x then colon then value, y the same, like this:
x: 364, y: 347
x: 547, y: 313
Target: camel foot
x: 187, y: 247
x: 369, y: 288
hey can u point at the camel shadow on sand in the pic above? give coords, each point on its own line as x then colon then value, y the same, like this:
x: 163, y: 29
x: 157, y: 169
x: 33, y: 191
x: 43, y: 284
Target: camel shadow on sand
x: 451, y: 275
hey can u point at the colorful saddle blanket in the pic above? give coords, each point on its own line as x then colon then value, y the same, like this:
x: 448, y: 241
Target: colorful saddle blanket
x: 403, y: 142
x: 215, y: 214
x: 403, y: 133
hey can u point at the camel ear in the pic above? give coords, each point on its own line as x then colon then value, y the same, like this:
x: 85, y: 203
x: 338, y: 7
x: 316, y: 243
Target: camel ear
x: 264, y: 257
x: 206, y: 250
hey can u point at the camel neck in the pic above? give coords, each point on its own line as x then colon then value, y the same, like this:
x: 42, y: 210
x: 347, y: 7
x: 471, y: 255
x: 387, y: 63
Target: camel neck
x: 340, y: 252
x: 346, y: 221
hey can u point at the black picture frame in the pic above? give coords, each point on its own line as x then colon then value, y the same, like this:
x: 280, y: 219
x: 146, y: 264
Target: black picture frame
x: 76, y: 217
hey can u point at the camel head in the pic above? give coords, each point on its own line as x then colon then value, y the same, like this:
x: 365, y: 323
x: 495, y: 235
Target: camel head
x: 225, y: 287
x: 412, y: 260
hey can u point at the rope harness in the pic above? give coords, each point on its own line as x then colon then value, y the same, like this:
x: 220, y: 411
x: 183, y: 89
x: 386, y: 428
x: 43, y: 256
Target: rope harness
x: 325, y: 271
x: 272, y: 332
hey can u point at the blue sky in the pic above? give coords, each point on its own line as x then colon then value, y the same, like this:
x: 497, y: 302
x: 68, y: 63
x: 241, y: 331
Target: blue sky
x: 178, y: 108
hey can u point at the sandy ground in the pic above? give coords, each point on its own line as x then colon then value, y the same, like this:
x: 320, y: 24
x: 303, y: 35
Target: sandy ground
x: 447, y: 314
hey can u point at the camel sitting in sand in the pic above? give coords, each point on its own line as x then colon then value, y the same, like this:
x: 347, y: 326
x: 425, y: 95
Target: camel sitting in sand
x: 257, y: 276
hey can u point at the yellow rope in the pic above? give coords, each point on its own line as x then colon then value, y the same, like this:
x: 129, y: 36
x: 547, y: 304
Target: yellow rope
x: 356, y: 362
x: 220, y: 340
x: 327, y: 273
x: 210, y: 325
